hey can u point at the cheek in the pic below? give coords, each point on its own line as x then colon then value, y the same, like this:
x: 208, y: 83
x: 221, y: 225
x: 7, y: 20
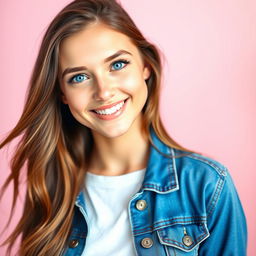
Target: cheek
x: 77, y: 100
x: 133, y: 82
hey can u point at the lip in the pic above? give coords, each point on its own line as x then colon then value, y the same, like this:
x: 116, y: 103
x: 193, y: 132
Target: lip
x: 114, y: 115
x: 109, y: 106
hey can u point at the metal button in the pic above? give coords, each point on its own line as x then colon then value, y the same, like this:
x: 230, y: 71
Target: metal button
x: 73, y: 243
x: 146, y: 242
x: 141, y: 205
x: 187, y: 240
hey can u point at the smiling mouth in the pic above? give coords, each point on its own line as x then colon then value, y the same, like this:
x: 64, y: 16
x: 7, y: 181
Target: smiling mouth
x: 111, y: 110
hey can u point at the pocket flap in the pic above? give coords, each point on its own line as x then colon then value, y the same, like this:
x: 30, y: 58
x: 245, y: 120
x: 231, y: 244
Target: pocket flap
x: 183, y: 236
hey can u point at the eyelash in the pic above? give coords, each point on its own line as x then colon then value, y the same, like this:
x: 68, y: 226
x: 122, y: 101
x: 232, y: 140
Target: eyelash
x: 126, y: 62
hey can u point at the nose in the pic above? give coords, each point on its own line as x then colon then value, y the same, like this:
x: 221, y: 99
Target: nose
x: 104, y: 89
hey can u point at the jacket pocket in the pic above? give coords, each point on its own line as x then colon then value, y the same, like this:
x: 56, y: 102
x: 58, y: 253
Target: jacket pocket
x: 183, y: 239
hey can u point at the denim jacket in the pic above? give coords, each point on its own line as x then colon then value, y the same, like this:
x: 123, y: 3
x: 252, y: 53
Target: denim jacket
x: 185, y: 206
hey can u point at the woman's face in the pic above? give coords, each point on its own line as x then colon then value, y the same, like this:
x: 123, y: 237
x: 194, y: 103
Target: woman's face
x: 102, y: 77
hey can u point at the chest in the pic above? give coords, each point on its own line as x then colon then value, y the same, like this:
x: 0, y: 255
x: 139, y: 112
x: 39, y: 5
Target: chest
x: 160, y: 224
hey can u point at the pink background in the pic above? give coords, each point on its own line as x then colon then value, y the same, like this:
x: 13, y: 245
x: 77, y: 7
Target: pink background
x: 209, y: 93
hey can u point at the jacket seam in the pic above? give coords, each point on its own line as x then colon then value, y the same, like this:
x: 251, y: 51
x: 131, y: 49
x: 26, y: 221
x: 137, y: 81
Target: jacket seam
x: 194, y: 220
x: 215, y: 197
x: 171, y: 169
x: 159, y: 188
x: 220, y: 171
x: 175, y: 173
x: 194, y: 242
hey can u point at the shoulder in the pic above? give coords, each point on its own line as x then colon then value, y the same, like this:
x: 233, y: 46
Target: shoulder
x: 194, y: 162
x: 203, y: 178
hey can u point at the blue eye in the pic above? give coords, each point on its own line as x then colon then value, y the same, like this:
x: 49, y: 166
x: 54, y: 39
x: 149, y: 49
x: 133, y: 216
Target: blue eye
x: 77, y: 78
x: 119, y: 64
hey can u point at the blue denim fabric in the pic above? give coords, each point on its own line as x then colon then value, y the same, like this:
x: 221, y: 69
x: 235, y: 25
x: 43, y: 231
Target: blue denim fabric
x: 191, y: 196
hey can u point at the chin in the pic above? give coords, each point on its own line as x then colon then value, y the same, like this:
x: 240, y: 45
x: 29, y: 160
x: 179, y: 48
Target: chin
x: 113, y: 132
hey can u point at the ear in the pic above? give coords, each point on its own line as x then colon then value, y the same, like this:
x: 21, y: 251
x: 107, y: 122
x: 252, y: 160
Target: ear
x: 146, y: 72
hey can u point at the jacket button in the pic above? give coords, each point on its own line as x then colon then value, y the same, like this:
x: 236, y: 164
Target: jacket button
x: 146, y: 242
x: 73, y: 243
x: 141, y: 205
x: 187, y: 240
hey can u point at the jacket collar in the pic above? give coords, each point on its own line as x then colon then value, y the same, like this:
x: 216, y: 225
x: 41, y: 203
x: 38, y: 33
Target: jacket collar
x: 161, y: 174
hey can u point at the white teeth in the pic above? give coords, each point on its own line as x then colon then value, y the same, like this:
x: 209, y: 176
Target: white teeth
x: 110, y: 111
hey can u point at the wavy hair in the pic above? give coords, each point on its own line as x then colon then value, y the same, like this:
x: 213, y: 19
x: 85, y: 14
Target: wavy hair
x: 54, y: 147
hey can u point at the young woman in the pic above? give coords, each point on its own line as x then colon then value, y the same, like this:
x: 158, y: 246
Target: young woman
x: 103, y: 175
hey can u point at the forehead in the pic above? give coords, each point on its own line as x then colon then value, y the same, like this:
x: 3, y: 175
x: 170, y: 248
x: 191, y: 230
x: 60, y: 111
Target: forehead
x: 96, y: 41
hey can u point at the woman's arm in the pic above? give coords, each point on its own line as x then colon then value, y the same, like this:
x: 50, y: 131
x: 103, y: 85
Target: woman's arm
x: 226, y: 223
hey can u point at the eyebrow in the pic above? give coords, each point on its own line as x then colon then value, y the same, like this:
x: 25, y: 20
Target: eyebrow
x: 75, y: 69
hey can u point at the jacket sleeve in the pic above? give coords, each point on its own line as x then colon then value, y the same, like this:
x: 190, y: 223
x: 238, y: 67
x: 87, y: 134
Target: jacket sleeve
x: 226, y: 222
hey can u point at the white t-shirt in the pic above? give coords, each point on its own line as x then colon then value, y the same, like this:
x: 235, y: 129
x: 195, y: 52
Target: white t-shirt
x: 107, y: 199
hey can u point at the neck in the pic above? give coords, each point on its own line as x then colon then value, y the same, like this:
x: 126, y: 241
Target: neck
x: 120, y: 155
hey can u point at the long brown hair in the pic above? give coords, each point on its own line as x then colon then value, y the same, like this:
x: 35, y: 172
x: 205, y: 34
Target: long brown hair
x: 54, y: 147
